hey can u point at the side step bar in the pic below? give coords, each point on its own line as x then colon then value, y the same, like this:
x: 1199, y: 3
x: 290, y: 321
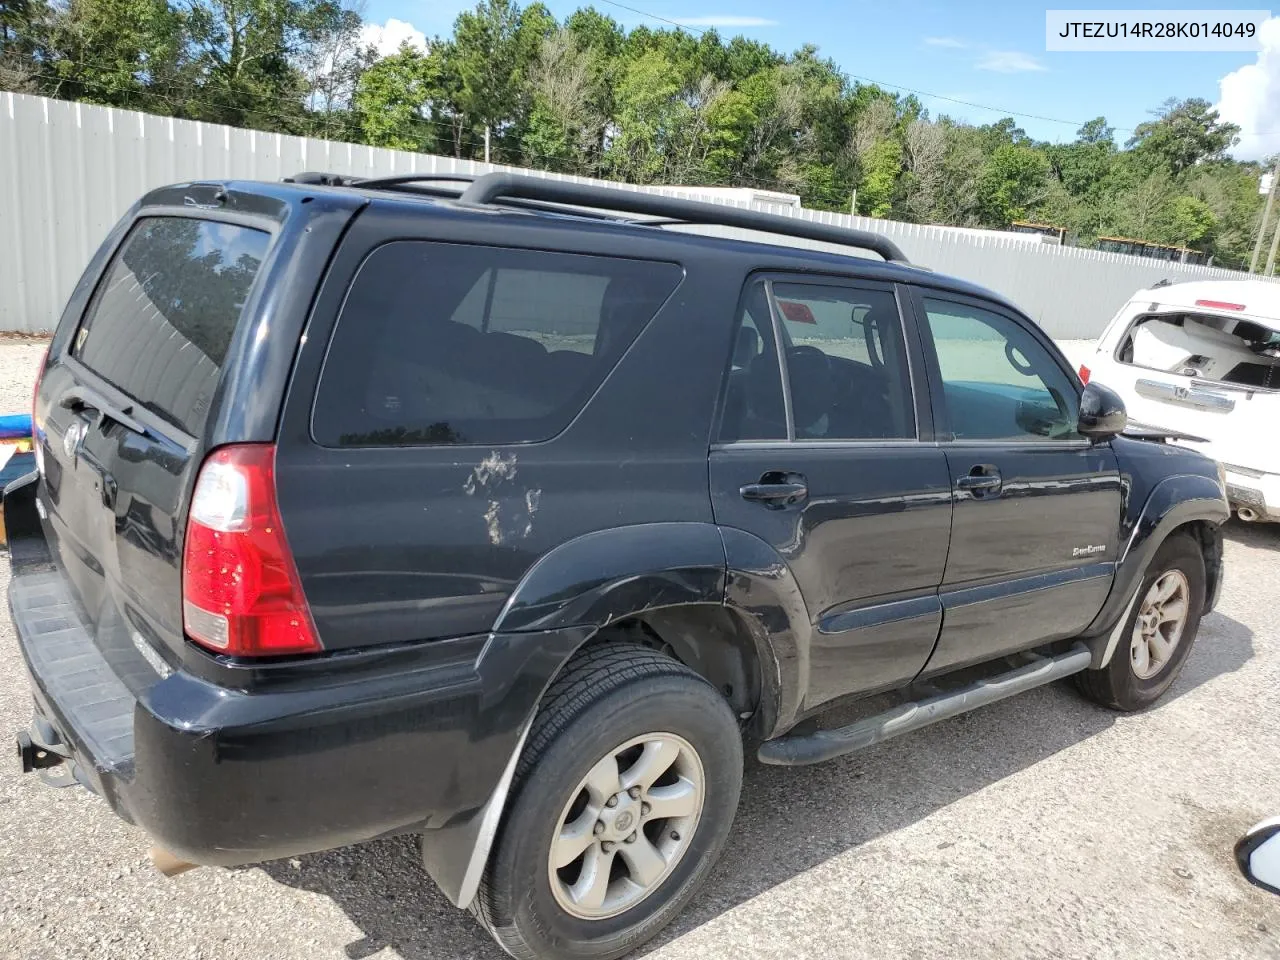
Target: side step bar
x: 795, y: 751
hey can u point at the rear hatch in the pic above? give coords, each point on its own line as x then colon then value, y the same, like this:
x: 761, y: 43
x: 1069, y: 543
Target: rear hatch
x: 120, y: 413
x: 1178, y: 373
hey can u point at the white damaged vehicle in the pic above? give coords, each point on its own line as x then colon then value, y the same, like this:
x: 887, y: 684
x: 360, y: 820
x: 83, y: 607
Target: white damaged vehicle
x: 1200, y: 362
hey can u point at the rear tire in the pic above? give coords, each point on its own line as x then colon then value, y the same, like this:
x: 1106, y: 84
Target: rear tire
x: 1154, y: 644
x: 632, y: 704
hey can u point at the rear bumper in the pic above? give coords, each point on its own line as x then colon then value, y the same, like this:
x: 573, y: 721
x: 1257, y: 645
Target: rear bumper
x: 1254, y: 491
x: 223, y: 775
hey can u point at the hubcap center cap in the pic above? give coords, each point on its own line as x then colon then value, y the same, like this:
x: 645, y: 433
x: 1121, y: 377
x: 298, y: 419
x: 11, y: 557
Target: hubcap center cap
x: 620, y: 821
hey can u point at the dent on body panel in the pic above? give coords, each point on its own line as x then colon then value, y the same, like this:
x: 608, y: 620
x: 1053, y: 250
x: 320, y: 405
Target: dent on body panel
x: 509, y: 507
x: 761, y: 585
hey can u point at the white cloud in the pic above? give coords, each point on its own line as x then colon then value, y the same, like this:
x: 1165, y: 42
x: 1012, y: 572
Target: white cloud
x: 951, y: 42
x: 1009, y: 61
x: 725, y: 21
x: 387, y: 38
x: 1250, y: 98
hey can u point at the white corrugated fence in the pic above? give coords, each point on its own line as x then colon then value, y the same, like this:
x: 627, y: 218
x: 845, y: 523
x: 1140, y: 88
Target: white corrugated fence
x: 69, y: 170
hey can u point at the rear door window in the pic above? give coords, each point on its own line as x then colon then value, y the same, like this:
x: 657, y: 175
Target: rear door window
x: 161, y: 321
x: 846, y: 362
x: 443, y: 343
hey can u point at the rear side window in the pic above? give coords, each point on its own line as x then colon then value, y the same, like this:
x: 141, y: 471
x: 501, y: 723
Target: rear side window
x: 449, y: 343
x: 846, y: 362
x: 162, y: 319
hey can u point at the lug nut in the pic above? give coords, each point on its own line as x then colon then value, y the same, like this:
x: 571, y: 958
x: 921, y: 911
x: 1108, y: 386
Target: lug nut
x: 612, y: 801
x: 633, y: 793
x: 599, y: 828
x: 632, y: 838
x: 645, y: 808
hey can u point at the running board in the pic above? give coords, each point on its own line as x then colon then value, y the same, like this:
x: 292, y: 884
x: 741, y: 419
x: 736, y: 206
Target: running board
x: 801, y: 749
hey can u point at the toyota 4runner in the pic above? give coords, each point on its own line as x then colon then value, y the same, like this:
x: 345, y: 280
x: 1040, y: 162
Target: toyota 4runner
x: 503, y: 513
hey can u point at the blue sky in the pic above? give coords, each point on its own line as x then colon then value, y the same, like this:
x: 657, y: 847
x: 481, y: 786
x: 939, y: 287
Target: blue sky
x: 984, y: 53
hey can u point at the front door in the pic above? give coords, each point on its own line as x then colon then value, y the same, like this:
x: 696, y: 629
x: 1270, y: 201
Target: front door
x: 1037, y: 506
x: 821, y: 456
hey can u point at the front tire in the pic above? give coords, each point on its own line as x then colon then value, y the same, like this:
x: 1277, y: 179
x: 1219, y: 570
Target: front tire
x: 1159, y: 632
x: 623, y: 799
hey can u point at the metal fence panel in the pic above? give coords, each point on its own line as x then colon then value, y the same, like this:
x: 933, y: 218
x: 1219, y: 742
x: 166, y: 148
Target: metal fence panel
x: 68, y: 171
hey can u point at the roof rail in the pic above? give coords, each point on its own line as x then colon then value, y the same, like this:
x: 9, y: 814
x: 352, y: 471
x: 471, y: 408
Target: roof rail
x: 319, y: 179
x: 409, y: 178
x: 346, y: 180
x: 496, y: 186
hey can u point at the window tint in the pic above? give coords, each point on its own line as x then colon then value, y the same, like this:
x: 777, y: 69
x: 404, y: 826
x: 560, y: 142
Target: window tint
x: 161, y: 322
x: 999, y: 382
x: 449, y: 343
x: 753, y: 408
x: 846, y: 363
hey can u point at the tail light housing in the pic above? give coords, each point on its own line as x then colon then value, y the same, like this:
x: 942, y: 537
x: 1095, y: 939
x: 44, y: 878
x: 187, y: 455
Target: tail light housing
x: 37, y: 423
x: 1084, y: 374
x: 241, y: 594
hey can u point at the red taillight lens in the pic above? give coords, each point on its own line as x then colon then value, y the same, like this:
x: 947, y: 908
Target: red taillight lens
x: 37, y: 424
x: 240, y: 589
x: 35, y: 391
x: 1219, y: 305
x: 1084, y: 373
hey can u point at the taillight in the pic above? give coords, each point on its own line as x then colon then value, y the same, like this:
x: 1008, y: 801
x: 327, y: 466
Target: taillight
x: 37, y: 424
x: 240, y: 589
x: 1084, y: 373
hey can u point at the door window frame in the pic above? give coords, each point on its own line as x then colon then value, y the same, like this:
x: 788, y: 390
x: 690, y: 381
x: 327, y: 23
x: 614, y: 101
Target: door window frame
x: 917, y: 381
x: 916, y: 295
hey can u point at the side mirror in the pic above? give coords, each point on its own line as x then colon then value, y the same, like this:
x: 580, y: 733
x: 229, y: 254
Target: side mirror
x: 1258, y: 855
x: 1102, y: 414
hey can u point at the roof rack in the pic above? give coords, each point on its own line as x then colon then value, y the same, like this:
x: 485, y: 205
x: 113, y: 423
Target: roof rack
x: 344, y: 180
x: 492, y: 187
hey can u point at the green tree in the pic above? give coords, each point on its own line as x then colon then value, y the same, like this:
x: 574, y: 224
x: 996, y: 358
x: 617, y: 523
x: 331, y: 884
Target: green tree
x: 564, y: 127
x: 117, y: 52
x: 1185, y: 133
x: 390, y: 100
x: 245, y: 54
x: 1190, y: 221
x: 649, y: 110
x: 495, y: 44
x: 1012, y: 182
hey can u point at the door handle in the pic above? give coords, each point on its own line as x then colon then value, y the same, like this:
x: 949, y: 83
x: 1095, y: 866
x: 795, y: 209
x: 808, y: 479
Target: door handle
x: 776, y: 489
x: 981, y: 480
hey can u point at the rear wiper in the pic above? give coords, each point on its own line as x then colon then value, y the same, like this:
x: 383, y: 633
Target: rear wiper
x: 83, y: 398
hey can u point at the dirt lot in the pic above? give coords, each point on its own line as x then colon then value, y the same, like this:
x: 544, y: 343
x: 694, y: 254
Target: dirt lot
x: 1038, y: 827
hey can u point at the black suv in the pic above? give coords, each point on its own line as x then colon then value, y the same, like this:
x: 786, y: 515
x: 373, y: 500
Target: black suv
x: 501, y: 512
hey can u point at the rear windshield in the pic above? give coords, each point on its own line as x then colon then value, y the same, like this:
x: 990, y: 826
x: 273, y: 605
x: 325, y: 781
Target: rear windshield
x: 162, y: 319
x: 449, y: 343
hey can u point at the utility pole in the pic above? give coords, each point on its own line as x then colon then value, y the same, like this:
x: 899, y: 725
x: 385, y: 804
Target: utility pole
x: 853, y: 204
x: 1266, y: 219
x: 486, y: 160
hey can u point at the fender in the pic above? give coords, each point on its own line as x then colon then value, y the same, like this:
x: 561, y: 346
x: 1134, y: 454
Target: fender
x: 761, y: 588
x: 560, y: 603
x: 1171, y: 503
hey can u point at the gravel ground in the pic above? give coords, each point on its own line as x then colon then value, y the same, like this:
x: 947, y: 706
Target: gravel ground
x: 1037, y: 827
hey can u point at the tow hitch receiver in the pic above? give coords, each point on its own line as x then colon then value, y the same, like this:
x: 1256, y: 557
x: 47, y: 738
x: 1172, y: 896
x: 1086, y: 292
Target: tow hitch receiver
x: 33, y: 756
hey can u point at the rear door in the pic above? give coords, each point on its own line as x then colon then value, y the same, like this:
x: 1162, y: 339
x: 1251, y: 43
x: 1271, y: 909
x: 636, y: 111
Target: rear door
x: 836, y: 472
x: 1037, y: 507
x: 121, y: 409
